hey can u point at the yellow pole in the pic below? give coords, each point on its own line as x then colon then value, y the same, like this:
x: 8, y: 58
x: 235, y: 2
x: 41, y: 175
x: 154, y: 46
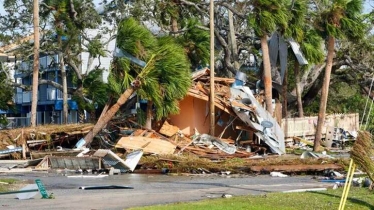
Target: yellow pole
x: 346, y: 185
x: 349, y: 185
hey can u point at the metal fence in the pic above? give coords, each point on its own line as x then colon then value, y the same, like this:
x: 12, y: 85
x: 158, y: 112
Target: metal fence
x: 17, y: 122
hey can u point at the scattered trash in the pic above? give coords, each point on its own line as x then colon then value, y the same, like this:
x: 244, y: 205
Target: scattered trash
x: 277, y: 174
x: 101, y: 175
x: 338, y: 184
x: 27, y: 192
x: 103, y: 187
x: 309, y: 154
x: 110, y: 158
x: 305, y: 190
x: 224, y: 195
x: 114, y: 171
x: 208, y: 140
x: 362, y: 182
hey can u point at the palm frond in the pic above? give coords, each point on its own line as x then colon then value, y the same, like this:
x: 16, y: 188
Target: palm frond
x: 135, y: 39
x: 268, y: 15
x: 196, y: 42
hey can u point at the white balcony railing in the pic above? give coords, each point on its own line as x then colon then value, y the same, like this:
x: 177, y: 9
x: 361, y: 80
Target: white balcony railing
x: 55, y: 94
x: 26, y: 96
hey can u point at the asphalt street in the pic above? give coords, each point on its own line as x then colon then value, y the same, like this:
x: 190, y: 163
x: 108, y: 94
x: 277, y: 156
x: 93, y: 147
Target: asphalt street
x: 148, y: 189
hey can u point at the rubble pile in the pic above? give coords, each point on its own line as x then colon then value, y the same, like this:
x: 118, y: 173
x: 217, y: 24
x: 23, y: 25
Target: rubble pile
x: 243, y: 129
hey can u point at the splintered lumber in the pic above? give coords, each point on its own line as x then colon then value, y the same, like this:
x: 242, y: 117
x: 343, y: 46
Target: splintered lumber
x: 298, y: 139
x: 148, y: 145
x: 294, y: 168
x: 168, y: 130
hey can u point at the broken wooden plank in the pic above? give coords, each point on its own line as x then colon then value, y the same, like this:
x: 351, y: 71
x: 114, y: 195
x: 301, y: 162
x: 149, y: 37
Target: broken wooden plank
x: 168, y: 130
x: 201, y: 88
x: 156, y: 146
x: 298, y: 139
x: 242, y: 106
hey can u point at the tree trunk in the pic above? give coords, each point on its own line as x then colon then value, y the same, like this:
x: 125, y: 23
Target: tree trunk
x: 284, y: 95
x: 35, y: 74
x: 325, y: 91
x: 174, y: 26
x: 298, y: 90
x: 148, y: 122
x: 107, y: 116
x: 267, y: 74
x: 64, y: 89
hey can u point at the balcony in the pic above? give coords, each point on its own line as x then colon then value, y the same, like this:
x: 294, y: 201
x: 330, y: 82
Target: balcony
x: 52, y: 94
x: 55, y: 94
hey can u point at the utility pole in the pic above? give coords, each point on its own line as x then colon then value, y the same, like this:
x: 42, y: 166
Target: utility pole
x: 35, y: 73
x: 211, y: 109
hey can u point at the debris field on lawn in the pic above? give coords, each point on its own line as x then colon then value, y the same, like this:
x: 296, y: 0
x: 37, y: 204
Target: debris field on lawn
x: 244, y: 130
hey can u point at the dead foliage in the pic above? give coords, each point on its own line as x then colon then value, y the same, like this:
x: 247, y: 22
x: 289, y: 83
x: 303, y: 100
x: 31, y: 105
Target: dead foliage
x: 362, y: 151
x: 19, y: 136
x: 190, y: 163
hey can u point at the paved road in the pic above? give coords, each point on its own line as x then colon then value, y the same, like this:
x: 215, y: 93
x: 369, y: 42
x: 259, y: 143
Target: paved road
x: 148, y: 190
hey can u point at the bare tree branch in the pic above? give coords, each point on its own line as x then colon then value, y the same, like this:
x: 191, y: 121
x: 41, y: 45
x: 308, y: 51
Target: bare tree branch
x: 227, y: 51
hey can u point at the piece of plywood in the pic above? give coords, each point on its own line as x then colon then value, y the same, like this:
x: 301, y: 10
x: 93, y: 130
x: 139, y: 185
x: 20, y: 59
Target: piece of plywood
x: 148, y: 145
x: 168, y: 130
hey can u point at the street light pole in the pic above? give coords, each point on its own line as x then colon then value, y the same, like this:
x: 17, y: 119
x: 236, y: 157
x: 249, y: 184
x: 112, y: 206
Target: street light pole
x: 212, y: 112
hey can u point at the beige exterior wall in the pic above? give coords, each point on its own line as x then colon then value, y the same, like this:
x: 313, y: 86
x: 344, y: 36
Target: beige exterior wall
x: 194, y: 114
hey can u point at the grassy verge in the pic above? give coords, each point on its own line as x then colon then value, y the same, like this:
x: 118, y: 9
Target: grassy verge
x: 358, y: 198
x: 5, y: 184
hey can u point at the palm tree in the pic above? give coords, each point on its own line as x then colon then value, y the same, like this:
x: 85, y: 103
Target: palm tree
x: 338, y: 19
x: 265, y: 18
x: 196, y: 43
x: 164, y: 80
x: 300, y: 30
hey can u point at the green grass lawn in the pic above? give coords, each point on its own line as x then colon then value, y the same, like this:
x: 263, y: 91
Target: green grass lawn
x: 4, y: 184
x: 358, y: 198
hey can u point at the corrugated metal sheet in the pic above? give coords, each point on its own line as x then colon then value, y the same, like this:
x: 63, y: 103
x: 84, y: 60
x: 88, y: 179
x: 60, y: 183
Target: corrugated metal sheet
x: 274, y: 136
x: 298, y: 53
x: 73, y: 162
x: 273, y: 49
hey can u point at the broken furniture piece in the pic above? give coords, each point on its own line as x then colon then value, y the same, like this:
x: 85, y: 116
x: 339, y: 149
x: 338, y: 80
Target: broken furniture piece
x: 111, y: 159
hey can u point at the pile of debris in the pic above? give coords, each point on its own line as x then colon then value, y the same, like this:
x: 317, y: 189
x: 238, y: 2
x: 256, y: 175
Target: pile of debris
x: 246, y: 130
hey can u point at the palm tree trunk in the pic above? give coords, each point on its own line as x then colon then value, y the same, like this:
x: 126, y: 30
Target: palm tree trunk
x: 35, y: 74
x: 148, y: 122
x: 325, y: 91
x: 284, y: 95
x: 267, y: 74
x: 298, y: 90
x: 105, y: 118
x: 174, y: 26
x: 64, y: 89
